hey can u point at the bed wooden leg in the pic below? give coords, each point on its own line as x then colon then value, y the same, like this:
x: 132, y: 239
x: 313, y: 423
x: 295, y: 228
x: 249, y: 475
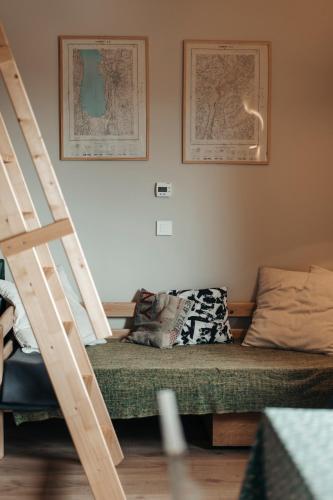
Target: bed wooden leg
x: 235, y: 429
x: 2, y: 435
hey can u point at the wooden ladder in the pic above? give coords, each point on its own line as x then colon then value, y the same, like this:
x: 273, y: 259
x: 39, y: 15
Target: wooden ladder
x: 24, y: 245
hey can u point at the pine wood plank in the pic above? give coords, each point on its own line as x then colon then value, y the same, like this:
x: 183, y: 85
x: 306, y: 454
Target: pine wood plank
x: 1, y: 354
x: 58, y: 356
x: 20, y: 188
x: 7, y: 321
x: 120, y: 333
x: 65, y: 376
x: 36, y: 237
x: 241, y: 309
x: 235, y: 429
x: 8, y: 349
x: 51, y: 187
x: 127, y: 309
x: 2, y: 435
x: 119, y: 309
x: 2, y: 335
x: 238, y: 334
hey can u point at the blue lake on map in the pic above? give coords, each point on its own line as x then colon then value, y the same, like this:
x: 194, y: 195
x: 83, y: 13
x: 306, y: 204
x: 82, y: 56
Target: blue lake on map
x: 92, y: 86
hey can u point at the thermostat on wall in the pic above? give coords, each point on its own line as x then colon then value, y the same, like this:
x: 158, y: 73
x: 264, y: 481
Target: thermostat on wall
x: 163, y: 189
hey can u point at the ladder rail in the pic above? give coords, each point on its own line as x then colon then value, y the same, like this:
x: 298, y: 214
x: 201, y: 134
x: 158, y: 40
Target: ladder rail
x: 24, y: 243
x: 51, y: 187
x: 58, y: 356
x: 32, y: 223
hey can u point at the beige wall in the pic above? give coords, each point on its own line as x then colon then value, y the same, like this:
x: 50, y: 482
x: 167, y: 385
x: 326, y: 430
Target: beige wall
x: 228, y: 220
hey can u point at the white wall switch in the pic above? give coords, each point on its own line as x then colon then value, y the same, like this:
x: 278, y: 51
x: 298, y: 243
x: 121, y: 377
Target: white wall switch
x: 164, y: 227
x: 163, y: 189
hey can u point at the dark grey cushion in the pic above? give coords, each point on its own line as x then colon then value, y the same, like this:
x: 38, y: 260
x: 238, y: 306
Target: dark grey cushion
x: 26, y: 383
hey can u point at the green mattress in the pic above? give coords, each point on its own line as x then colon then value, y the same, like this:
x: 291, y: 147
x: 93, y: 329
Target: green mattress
x: 214, y: 378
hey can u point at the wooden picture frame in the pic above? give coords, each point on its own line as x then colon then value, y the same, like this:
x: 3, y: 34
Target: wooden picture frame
x: 103, y: 94
x: 226, y: 102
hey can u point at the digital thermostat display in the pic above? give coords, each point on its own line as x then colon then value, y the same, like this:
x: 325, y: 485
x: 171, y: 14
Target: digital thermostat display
x: 163, y: 189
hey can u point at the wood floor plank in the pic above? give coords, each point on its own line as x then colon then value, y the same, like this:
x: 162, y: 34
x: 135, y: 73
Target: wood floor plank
x: 41, y: 463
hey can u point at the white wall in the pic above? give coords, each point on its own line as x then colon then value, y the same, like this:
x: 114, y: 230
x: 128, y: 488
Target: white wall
x: 228, y: 220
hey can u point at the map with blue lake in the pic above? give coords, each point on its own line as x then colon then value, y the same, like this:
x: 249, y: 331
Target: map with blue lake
x: 104, y: 87
x: 92, y: 97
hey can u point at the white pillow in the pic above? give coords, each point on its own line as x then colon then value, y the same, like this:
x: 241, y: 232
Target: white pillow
x: 86, y: 331
x: 22, y: 328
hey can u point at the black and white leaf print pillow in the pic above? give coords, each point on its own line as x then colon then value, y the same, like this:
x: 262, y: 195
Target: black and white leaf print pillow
x: 208, y: 321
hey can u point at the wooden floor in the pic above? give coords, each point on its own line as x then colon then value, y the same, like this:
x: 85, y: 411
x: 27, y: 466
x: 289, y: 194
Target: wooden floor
x: 40, y: 463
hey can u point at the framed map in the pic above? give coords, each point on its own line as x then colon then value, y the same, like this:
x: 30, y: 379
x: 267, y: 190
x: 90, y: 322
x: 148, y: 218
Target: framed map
x: 103, y: 98
x: 226, y: 102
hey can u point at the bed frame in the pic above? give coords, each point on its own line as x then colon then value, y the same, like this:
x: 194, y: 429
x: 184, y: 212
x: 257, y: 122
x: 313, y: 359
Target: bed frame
x: 227, y: 429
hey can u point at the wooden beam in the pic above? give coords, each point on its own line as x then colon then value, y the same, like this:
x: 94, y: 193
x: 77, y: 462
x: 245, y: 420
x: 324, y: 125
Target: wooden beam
x: 8, y: 349
x: 51, y: 187
x: 32, y: 222
x: 2, y: 435
x: 64, y: 373
x: 235, y: 429
x: 119, y: 309
x: 127, y: 309
x: 57, y: 354
x: 7, y: 321
x: 1, y: 354
x: 241, y: 309
x: 120, y: 333
x: 238, y: 334
x: 2, y: 430
x: 36, y: 237
x: 4, y: 53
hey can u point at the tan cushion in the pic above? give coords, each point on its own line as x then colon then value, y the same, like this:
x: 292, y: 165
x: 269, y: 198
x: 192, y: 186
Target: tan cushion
x: 294, y: 311
x: 320, y: 271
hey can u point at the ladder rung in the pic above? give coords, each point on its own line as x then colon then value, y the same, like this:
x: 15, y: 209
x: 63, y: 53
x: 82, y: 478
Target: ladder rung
x: 30, y: 239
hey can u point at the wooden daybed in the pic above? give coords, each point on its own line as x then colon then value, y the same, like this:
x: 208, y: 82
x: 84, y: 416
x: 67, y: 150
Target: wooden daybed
x: 231, y: 383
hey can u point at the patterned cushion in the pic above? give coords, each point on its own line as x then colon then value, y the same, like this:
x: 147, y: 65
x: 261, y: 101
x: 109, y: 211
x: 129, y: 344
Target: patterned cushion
x: 207, y: 322
x: 159, y: 319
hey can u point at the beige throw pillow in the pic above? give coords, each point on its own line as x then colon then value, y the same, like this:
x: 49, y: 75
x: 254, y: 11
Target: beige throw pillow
x: 294, y: 311
x: 321, y: 271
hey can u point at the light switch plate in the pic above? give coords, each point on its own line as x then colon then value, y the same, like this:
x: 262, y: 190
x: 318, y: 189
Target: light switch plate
x: 164, y: 227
